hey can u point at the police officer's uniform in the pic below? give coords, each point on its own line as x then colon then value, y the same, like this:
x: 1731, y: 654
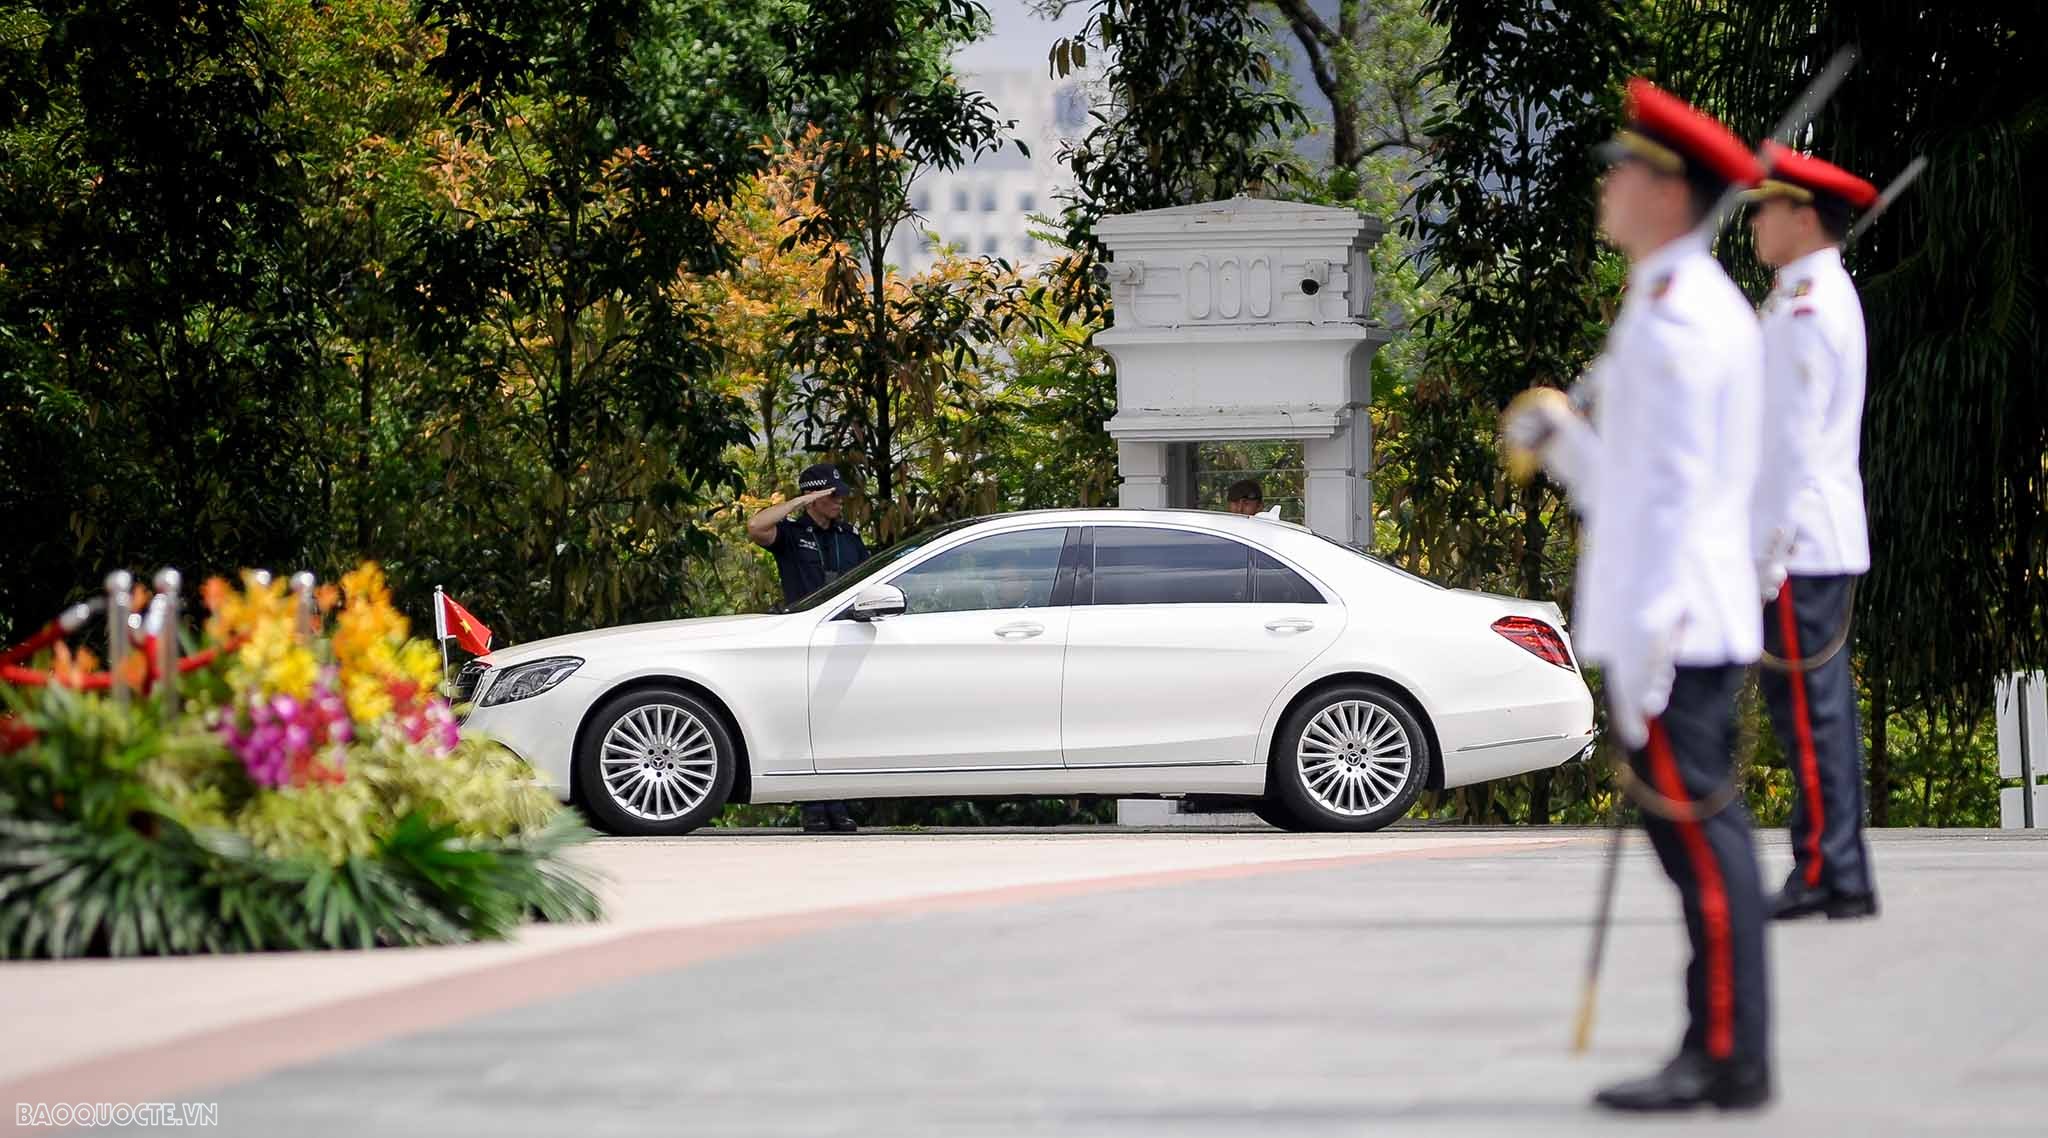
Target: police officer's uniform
x: 1665, y: 598
x: 1812, y: 543
x: 809, y: 556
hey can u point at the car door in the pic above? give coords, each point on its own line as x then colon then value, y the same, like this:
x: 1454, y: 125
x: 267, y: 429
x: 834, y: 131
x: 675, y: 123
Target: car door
x: 967, y: 678
x: 1180, y: 642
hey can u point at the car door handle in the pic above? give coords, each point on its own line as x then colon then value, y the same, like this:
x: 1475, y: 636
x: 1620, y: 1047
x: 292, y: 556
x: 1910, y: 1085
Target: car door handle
x: 1021, y: 630
x: 1290, y: 624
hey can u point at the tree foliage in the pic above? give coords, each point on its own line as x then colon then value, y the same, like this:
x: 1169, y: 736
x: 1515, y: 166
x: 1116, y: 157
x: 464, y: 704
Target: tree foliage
x: 151, y: 337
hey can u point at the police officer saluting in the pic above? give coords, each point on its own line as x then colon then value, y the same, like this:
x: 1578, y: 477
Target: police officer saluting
x: 1810, y: 537
x: 812, y: 545
x: 1665, y: 595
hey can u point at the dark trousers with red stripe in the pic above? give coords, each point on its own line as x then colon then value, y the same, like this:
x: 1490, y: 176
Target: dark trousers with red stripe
x: 1815, y: 717
x: 1712, y: 860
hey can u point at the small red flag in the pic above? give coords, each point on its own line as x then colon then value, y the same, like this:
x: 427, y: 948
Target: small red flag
x: 451, y: 619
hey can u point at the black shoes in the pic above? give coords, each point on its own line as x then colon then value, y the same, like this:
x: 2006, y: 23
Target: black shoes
x: 1798, y: 899
x: 828, y: 818
x: 1693, y: 1080
x: 842, y: 822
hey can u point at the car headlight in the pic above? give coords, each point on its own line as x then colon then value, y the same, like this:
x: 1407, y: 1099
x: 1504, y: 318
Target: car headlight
x: 523, y: 681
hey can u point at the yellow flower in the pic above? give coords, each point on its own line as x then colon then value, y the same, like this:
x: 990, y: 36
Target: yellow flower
x: 368, y: 698
x: 421, y: 663
x: 292, y: 673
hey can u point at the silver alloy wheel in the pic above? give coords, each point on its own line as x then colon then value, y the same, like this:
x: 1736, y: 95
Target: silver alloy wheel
x: 659, y: 762
x: 1355, y: 757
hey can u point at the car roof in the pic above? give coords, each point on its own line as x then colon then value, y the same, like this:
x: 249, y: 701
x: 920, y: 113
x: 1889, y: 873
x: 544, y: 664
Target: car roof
x: 1116, y: 515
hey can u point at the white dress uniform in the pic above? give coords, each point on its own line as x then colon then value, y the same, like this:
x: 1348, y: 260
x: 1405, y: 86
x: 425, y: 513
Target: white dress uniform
x: 1663, y: 475
x: 1808, y: 509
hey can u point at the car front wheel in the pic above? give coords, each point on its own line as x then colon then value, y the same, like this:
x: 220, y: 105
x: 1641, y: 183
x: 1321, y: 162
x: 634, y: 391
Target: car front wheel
x: 1353, y: 758
x: 655, y: 762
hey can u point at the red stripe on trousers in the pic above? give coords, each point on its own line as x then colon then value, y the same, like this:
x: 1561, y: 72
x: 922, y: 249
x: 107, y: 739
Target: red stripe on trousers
x: 1713, y: 899
x: 1802, y: 729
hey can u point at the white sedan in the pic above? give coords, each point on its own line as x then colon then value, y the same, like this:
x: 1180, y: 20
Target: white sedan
x: 1059, y: 653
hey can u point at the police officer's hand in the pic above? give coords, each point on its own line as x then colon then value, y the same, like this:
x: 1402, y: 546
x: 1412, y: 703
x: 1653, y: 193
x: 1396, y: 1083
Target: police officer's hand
x: 800, y: 502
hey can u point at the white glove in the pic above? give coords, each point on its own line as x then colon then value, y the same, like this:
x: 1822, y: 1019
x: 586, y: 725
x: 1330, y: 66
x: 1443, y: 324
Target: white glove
x: 1638, y: 689
x: 1534, y: 418
x: 1770, y: 578
x: 1529, y: 424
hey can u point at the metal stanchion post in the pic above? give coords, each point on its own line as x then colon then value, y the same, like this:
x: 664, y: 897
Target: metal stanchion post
x: 119, y: 602
x: 168, y: 583
x: 302, y: 593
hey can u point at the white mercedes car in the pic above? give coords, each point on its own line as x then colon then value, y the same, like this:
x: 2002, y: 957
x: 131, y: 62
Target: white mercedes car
x: 1060, y: 653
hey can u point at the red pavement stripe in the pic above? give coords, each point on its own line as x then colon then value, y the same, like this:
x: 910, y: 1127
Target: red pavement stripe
x: 1713, y: 901
x: 229, y: 1054
x: 1802, y: 729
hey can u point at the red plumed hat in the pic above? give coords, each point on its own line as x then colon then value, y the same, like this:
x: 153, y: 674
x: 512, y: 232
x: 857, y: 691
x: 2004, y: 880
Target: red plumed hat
x: 1803, y: 178
x: 1669, y: 134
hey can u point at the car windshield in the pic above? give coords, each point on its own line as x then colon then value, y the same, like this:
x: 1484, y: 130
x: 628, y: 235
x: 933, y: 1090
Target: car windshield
x: 1387, y: 565
x: 852, y: 578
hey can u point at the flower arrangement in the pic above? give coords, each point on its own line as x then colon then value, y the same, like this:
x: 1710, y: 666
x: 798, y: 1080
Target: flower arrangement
x: 299, y: 781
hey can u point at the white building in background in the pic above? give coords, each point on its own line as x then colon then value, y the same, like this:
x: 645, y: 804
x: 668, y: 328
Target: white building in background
x: 985, y: 208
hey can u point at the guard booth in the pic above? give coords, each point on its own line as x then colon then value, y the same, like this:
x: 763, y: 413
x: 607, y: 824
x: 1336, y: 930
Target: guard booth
x: 1243, y: 321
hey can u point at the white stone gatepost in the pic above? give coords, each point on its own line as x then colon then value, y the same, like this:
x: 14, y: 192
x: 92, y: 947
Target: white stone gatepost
x: 1242, y: 319
x: 1245, y: 319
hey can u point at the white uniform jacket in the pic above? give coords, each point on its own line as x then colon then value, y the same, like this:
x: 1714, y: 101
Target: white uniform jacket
x: 1808, y: 510
x: 1663, y: 475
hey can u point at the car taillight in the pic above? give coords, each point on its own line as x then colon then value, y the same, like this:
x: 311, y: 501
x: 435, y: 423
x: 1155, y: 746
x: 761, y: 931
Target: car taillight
x: 1536, y: 636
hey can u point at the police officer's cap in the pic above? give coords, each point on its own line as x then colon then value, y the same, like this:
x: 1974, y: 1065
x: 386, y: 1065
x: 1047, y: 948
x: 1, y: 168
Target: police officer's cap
x: 823, y: 476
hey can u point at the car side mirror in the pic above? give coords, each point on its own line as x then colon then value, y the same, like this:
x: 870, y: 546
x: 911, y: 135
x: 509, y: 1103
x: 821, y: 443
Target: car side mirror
x: 878, y: 602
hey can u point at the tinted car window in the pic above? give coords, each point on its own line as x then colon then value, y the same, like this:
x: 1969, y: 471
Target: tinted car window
x: 846, y: 581
x: 1276, y: 584
x: 1169, y: 567
x: 1004, y: 571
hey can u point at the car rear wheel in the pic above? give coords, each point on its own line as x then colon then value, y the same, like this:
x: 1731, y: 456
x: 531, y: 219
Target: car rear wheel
x: 655, y: 762
x: 1354, y: 758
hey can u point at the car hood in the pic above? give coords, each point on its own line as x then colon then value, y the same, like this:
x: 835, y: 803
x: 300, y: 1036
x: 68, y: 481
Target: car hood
x: 665, y: 632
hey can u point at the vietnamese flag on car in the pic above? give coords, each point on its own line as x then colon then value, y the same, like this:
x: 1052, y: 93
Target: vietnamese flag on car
x: 451, y: 619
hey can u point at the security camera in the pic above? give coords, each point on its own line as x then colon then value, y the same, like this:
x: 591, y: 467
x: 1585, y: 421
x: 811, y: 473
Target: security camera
x: 1127, y: 272
x: 1316, y: 274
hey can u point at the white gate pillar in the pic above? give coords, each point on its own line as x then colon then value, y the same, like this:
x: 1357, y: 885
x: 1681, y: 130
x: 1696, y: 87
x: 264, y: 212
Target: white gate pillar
x: 1143, y: 466
x: 1245, y: 319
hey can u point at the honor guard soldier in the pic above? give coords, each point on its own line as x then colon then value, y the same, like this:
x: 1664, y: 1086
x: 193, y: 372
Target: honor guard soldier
x: 1665, y: 594
x: 812, y: 546
x: 1811, y: 540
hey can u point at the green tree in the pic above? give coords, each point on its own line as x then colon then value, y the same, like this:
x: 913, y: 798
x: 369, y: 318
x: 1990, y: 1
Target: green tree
x: 152, y: 345
x: 1192, y: 113
x: 883, y: 351
x: 591, y: 430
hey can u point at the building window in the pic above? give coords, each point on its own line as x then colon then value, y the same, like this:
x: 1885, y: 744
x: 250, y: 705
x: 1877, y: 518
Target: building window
x: 1027, y: 202
x: 921, y: 200
x: 990, y: 246
x: 1070, y: 108
x: 988, y: 199
x: 960, y: 200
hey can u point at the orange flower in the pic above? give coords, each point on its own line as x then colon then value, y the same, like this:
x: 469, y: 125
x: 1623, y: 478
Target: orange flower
x: 70, y: 668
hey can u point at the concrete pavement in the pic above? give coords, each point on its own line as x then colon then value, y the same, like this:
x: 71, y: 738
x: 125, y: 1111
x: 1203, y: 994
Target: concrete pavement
x: 1416, y: 981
